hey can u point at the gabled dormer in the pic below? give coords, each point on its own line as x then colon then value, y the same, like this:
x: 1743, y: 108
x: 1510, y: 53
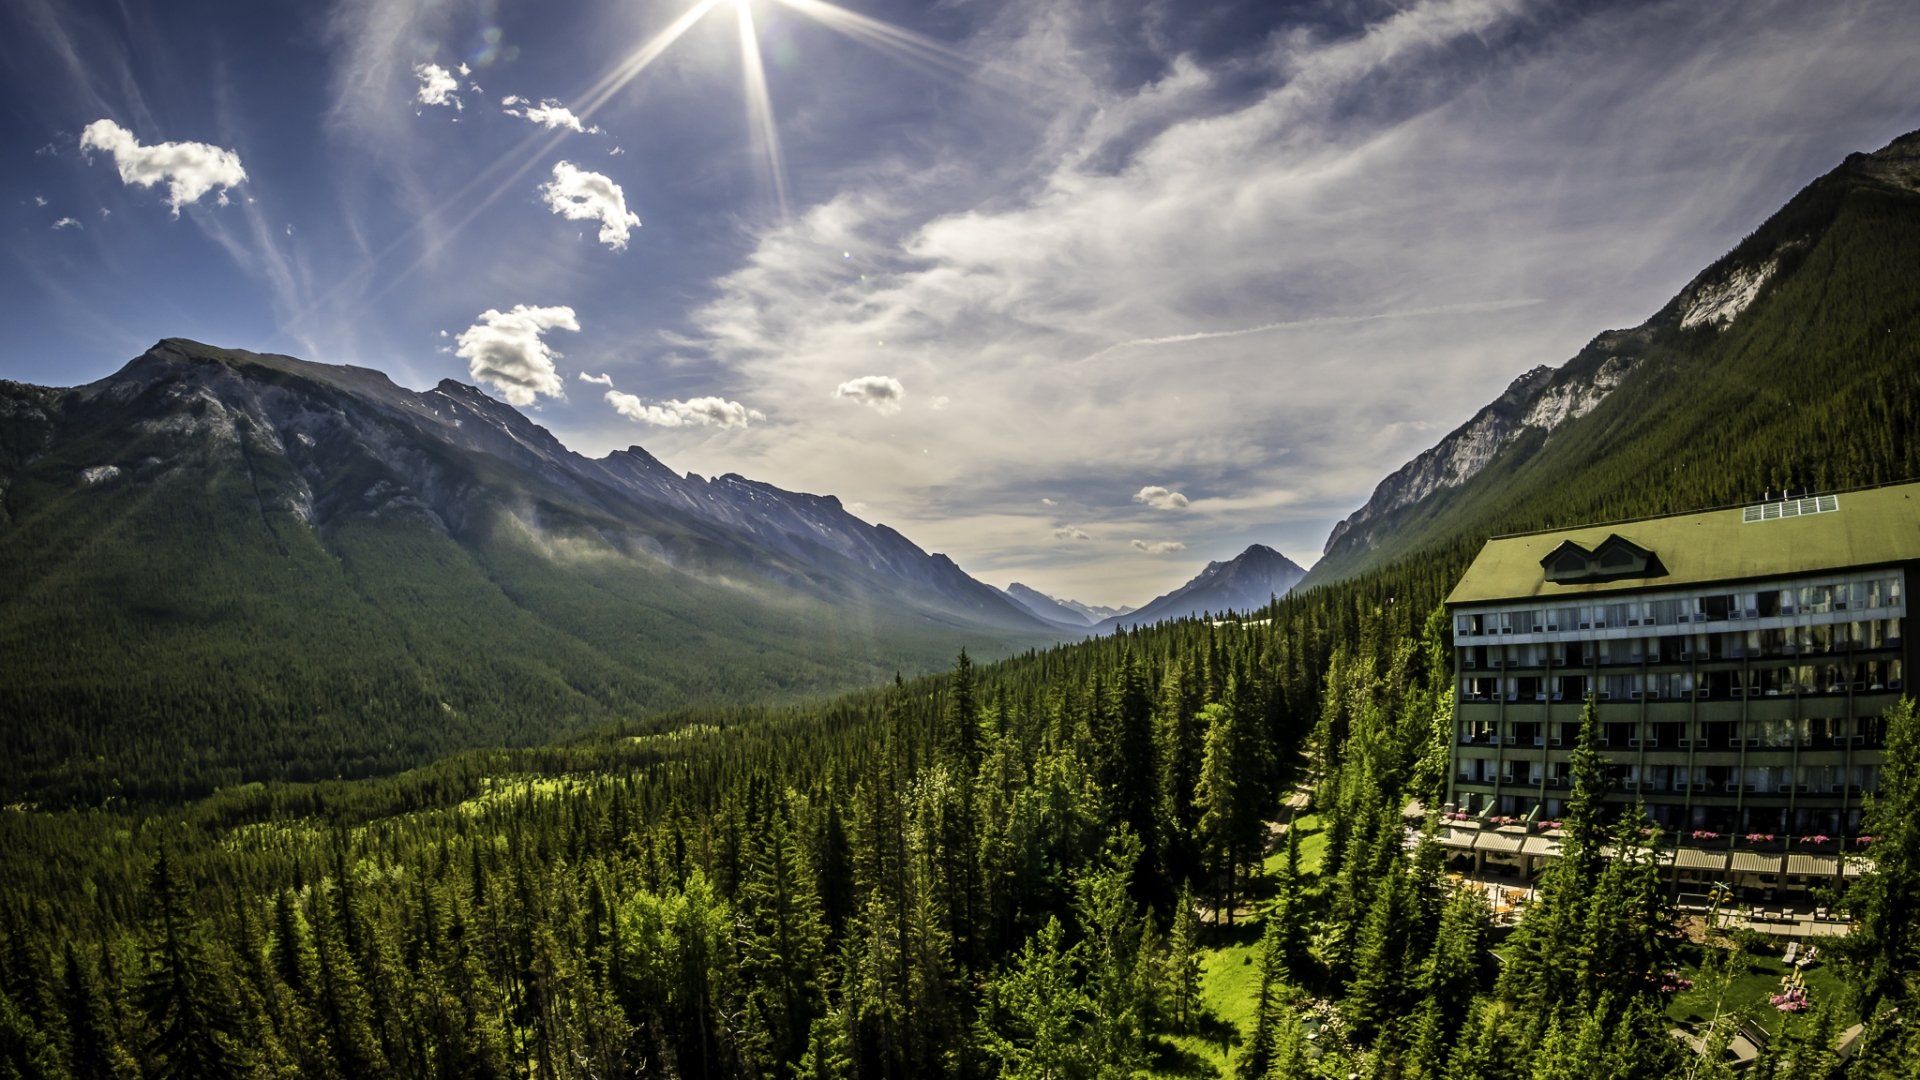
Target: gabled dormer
x: 1619, y: 557
x: 1612, y: 559
x: 1567, y: 563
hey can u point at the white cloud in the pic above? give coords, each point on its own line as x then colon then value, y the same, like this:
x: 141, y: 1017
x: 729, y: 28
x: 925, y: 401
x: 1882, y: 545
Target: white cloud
x: 1044, y: 501
x: 505, y: 351
x: 1158, y: 547
x: 616, y: 151
x: 464, y: 70
x: 1160, y: 498
x: 695, y: 412
x: 1071, y: 532
x: 597, y: 380
x: 39, y: 200
x: 68, y: 223
x: 549, y: 114
x: 881, y: 393
x: 190, y: 169
x: 579, y: 195
x: 437, y: 86
x: 940, y: 403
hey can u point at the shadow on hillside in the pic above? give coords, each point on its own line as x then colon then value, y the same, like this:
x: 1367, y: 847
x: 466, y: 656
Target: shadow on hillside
x: 1170, y: 1059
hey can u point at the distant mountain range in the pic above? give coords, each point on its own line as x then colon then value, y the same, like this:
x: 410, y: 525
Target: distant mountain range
x: 213, y: 548
x: 1247, y: 582
x: 1068, y: 613
x: 1791, y: 362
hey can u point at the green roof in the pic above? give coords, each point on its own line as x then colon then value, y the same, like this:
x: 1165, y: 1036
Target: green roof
x: 1874, y: 527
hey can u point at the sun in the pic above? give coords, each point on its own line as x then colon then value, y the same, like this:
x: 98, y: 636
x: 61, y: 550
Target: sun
x: 904, y: 44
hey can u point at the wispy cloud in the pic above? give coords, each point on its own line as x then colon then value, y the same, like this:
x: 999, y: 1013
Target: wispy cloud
x: 1343, y: 228
x: 549, y: 114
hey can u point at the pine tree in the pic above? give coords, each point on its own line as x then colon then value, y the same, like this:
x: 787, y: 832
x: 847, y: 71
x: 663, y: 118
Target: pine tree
x: 194, y: 1029
x: 1881, y: 957
x: 1183, y: 963
x: 94, y: 1046
x: 1032, y: 1024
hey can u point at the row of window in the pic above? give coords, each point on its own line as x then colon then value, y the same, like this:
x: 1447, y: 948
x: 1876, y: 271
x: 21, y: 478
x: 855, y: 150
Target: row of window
x: 1815, y: 733
x: 1824, y: 639
x: 1861, y: 593
x: 1684, y: 779
x: 1781, y: 680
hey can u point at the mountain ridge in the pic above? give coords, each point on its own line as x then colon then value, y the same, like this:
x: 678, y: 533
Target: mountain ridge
x: 259, y: 535
x: 1244, y: 583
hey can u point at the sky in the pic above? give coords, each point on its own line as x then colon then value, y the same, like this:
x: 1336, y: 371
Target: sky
x: 1083, y: 293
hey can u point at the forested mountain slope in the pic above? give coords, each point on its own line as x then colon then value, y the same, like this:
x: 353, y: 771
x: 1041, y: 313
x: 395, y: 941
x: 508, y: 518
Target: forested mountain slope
x: 225, y: 566
x: 1791, y: 362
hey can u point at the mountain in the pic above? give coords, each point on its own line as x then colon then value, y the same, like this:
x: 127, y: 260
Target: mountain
x: 1069, y: 613
x: 1247, y: 582
x: 226, y: 566
x: 1791, y: 362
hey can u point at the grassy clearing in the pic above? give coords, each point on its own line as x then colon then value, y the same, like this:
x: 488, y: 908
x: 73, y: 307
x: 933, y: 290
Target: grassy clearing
x: 1748, y: 993
x: 1230, y: 977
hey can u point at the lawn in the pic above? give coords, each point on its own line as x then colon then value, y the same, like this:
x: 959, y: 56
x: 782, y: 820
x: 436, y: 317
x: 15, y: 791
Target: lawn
x: 1749, y: 992
x: 1230, y: 977
x: 1229, y: 983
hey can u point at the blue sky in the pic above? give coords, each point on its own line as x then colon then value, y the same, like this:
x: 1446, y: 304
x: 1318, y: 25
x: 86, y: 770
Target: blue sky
x: 1081, y: 293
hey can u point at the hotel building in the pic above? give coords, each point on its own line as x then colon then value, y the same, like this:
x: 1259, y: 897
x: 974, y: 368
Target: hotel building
x: 1739, y: 661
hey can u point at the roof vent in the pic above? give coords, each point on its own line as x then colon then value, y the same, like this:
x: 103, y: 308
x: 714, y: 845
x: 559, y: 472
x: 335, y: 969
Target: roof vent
x: 1786, y: 508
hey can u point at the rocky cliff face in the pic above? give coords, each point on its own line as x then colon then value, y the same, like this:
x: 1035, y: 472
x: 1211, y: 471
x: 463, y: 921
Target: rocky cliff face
x: 1539, y: 400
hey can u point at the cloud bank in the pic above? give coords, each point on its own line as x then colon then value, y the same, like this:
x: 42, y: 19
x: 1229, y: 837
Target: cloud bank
x: 189, y: 169
x: 1158, y: 547
x: 505, y: 350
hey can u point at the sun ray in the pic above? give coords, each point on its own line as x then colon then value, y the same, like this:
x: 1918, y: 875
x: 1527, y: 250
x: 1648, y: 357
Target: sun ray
x: 639, y: 59
x: 884, y: 36
x: 760, y: 107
